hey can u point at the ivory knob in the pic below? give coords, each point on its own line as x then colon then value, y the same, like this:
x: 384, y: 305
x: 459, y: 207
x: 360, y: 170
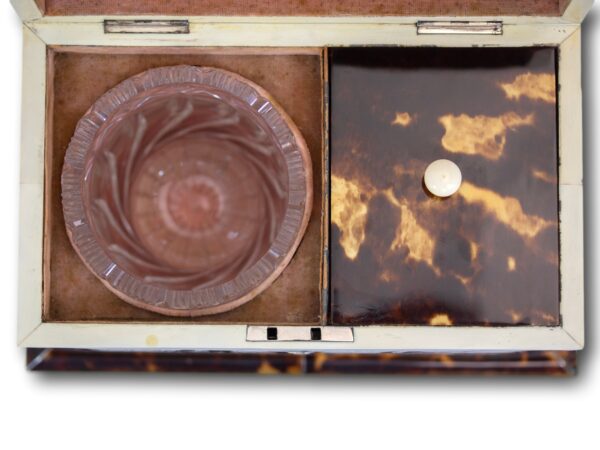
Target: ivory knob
x: 442, y: 178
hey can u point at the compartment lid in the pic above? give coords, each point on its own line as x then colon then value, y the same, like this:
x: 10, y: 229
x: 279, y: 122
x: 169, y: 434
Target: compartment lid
x: 486, y: 254
x: 571, y: 10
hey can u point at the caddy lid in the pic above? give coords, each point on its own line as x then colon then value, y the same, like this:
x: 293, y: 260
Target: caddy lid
x: 569, y: 10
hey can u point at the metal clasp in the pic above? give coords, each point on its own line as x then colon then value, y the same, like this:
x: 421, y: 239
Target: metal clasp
x: 459, y: 27
x: 147, y: 26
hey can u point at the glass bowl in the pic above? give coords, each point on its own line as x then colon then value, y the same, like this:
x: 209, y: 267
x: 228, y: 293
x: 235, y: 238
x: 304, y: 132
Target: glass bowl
x: 186, y: 190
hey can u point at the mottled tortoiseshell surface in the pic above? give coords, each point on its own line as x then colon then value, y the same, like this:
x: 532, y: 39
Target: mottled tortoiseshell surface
x: 488, y: 255
x: 531, y: 363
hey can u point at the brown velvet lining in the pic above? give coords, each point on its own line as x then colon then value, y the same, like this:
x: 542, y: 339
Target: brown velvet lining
x: 308, y: 7
x: 78, y: 76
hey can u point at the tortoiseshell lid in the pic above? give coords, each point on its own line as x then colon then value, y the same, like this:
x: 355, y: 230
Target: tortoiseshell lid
x: 488, y: 255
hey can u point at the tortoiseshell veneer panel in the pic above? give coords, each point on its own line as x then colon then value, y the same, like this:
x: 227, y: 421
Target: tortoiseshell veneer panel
x: 414, y: 363
x: 488, y: 255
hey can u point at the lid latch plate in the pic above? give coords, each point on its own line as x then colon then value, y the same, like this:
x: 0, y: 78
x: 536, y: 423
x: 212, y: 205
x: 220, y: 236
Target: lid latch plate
x: 459, y: 27
x: 146, y: 26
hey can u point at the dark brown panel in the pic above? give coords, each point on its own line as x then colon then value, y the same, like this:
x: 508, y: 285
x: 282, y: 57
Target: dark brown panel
x: 488, y: 255
x: 529, y: 363
x: 308, y: 7
x: 80, y: 76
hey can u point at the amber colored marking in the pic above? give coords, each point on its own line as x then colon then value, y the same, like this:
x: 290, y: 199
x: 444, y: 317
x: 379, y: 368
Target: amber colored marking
x: 507, y: 210
x: 294, y: 370
x: 410, y: 234
x: 320, y: 359
x: 403, y: 119
x: 550, y: 355
x: 349, y: 212
x: 446, y: 360
x: 511, y: 264
x: 464, y: 280
x: 515, y: 315
x: 474, y: 250
x: 543, y: 176
x: 440, y: 320
x: 151, y: 340
x: 480, y: 135
x: 536, y: 86
x: 267, y: 369
x: 547, y: 317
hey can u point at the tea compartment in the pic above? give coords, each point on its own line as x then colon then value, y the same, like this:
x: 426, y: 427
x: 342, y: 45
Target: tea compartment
x: 81, y: 75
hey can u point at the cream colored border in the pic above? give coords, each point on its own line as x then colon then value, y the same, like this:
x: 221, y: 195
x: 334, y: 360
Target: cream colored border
x: 570, y: 151
x: 301, y: 32
x: 572, y: 261
x: 32, y: 184
x: 26, y: 9
x: 313, y: 33
x: 233, y: 337
x: 569, y: 115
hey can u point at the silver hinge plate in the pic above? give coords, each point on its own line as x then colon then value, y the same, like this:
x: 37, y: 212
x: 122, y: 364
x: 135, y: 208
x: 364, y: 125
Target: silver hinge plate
x: 459, y: 27
x: 144, y: 26
x: 276, y: 333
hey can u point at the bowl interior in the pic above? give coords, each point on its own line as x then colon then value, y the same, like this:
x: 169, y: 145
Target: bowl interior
x: 185, y: 186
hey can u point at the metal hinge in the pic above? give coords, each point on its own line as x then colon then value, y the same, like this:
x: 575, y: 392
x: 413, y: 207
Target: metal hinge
x: 256, y: 333
x: 459, y: 27
x: 145, y: 26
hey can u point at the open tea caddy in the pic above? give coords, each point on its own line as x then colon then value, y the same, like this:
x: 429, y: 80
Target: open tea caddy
x: 382, y: 275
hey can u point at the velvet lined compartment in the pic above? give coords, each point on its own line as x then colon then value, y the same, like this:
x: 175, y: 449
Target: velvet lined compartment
x: 78, y: 76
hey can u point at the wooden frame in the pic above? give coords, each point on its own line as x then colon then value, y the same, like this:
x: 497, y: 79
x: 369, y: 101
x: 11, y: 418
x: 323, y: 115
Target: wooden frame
x: 39, y: 32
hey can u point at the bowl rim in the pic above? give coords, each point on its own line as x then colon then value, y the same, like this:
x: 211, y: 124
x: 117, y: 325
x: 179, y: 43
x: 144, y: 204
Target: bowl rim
x: 198, y: 301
